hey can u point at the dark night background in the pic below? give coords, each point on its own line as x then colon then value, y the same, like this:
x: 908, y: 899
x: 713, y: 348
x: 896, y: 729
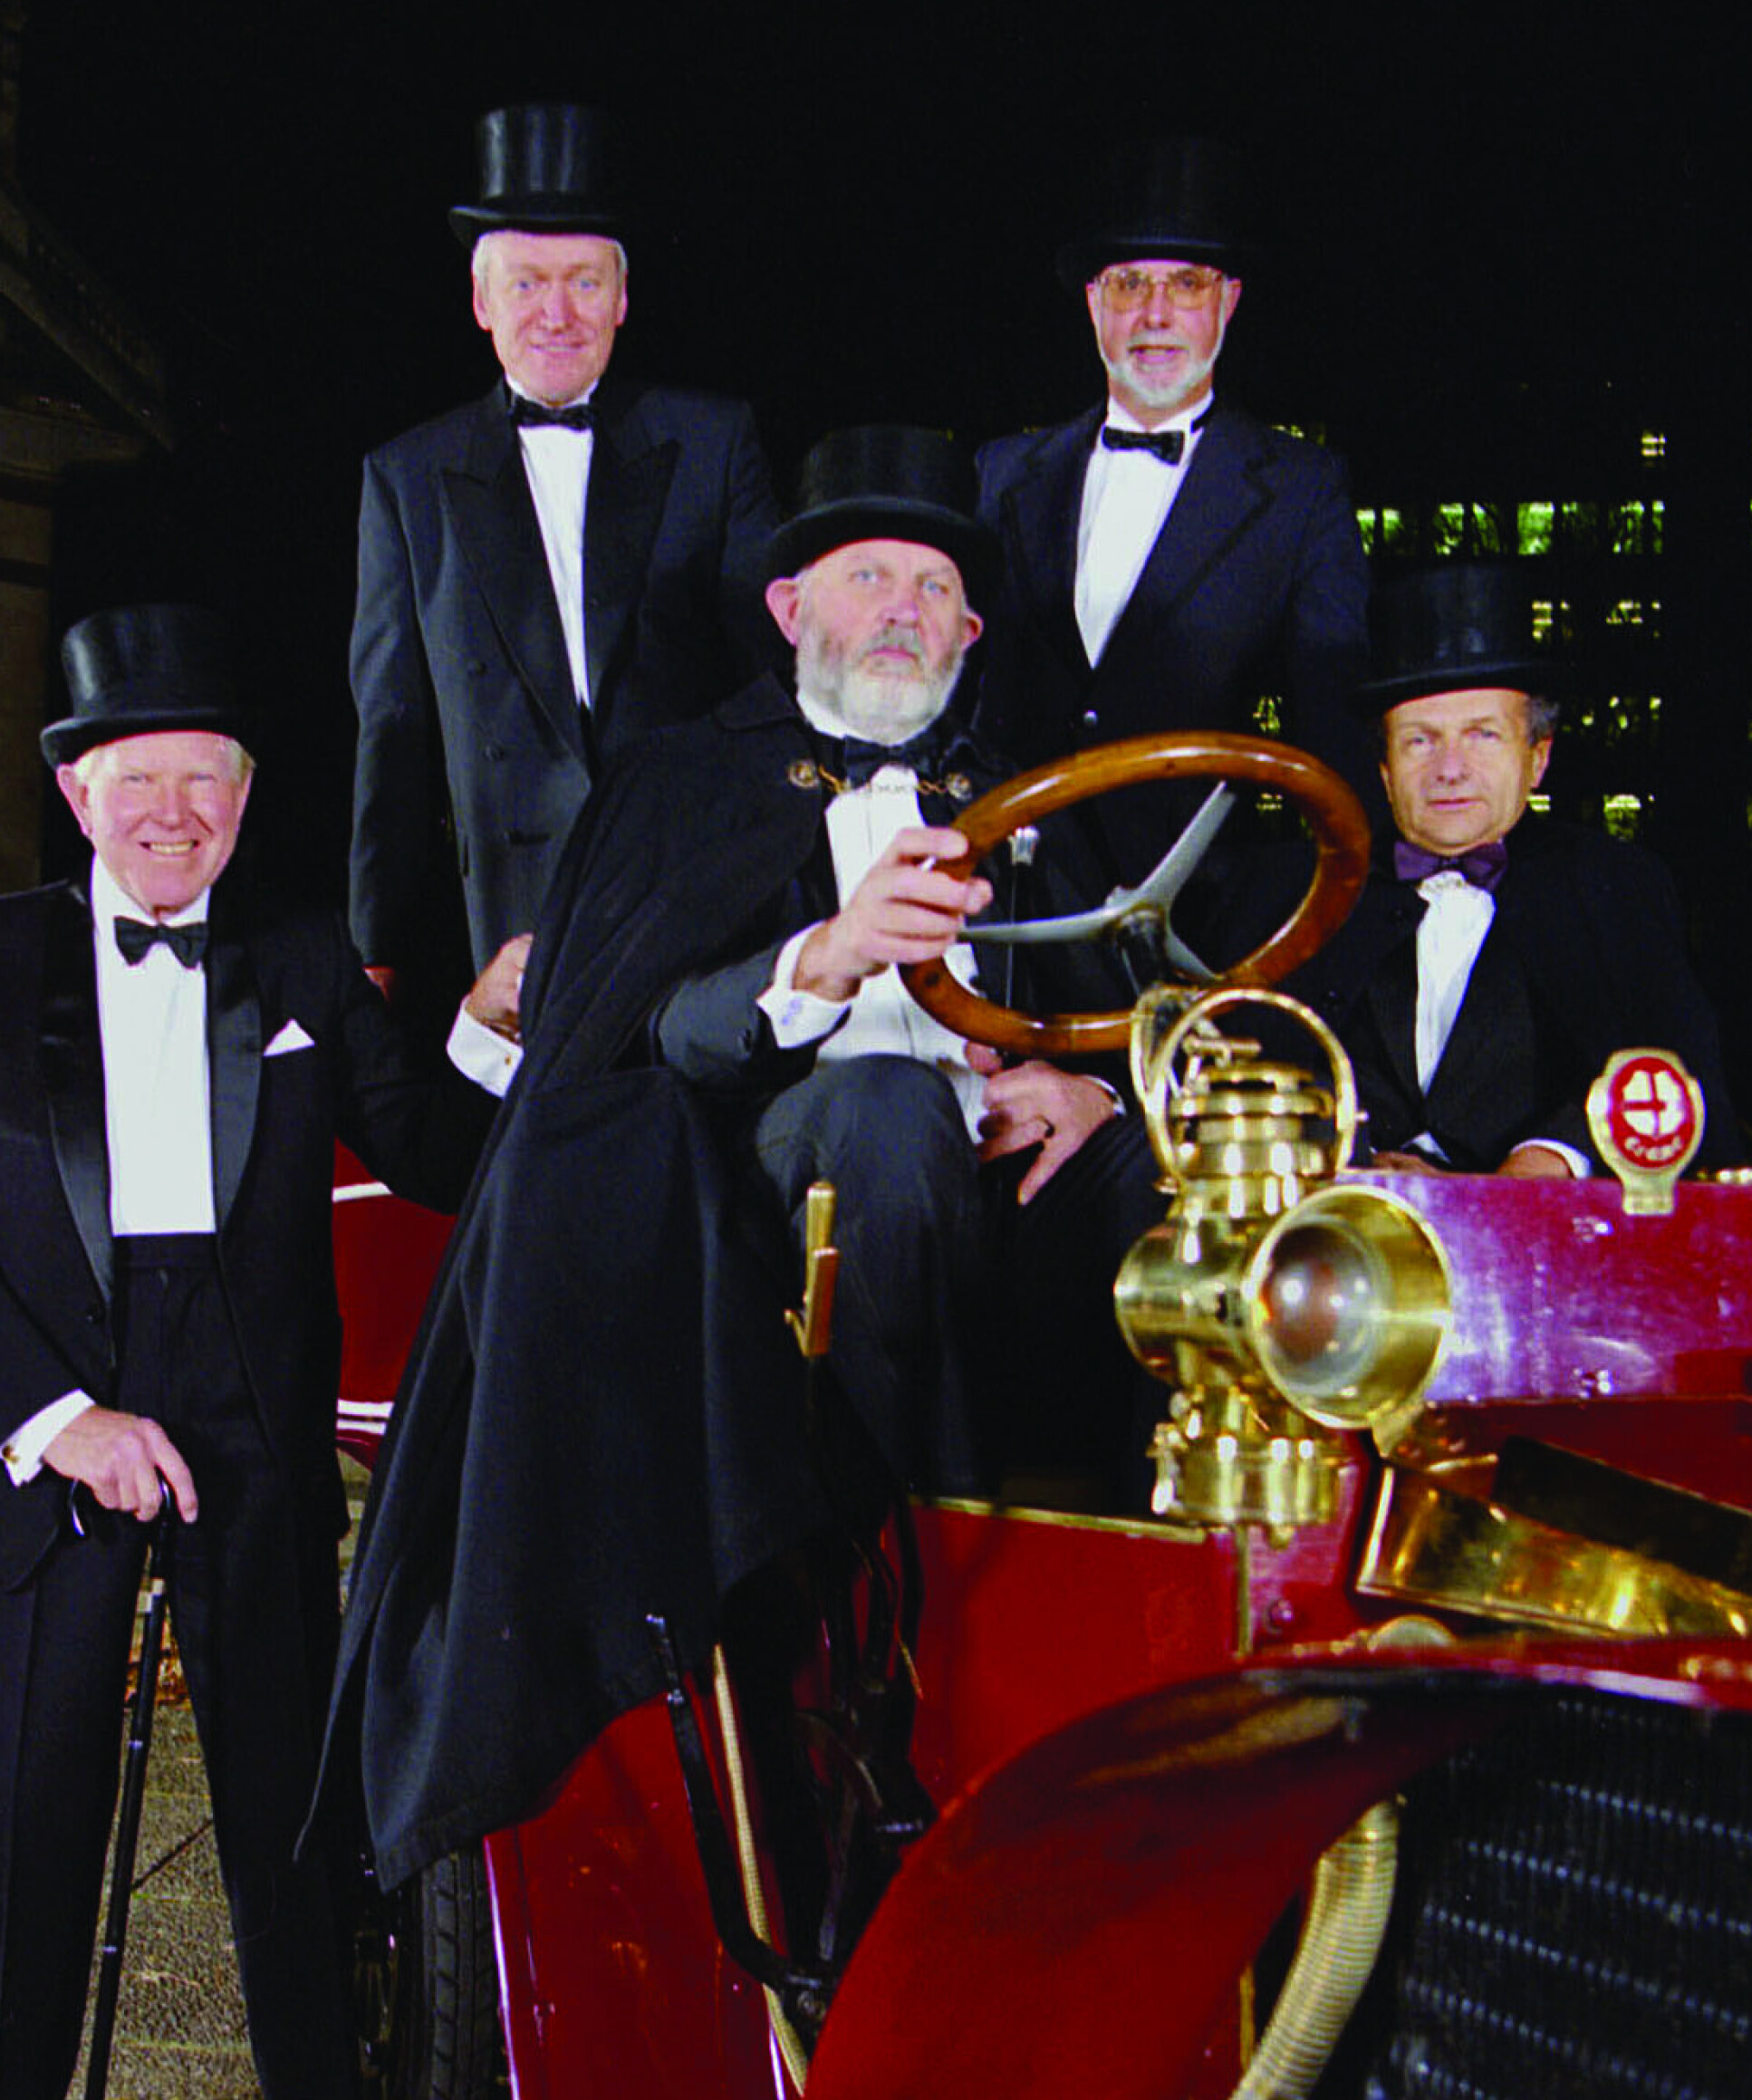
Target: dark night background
x: 1511, y: 239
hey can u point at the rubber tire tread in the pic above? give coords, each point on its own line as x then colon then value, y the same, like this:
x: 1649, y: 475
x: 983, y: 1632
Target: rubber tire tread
x: 459, y: 2050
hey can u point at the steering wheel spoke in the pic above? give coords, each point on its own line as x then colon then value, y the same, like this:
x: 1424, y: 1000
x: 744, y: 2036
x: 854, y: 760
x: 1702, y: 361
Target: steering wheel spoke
x: 1335, y: 817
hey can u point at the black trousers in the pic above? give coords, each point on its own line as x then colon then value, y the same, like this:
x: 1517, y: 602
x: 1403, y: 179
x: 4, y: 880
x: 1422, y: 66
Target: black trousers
x: 975, y: 1335
x: 254, y: 1594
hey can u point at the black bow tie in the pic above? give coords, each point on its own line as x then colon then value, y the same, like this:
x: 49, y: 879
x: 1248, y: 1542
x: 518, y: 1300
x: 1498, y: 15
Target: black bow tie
x: 1169, y: 446
x: 136, y: 937
x: 1482, y: 866
x: 536, y: 414
x: 1166, y: 445
x: 938, y: 757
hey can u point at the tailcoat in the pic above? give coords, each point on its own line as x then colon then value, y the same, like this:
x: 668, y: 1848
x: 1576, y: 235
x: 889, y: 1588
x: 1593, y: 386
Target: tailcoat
x: 473, y: 756
x: 1256, y: 585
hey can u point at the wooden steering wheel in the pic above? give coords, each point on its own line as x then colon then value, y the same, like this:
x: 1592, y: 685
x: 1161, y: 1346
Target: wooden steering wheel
x: 1341, y: 833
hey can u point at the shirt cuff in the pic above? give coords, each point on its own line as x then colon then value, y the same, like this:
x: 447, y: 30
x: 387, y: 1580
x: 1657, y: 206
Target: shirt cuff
x: 1576, y: 1161
x: 796, y: 1018
x: 491, y: 1061
x: 23, y: 1450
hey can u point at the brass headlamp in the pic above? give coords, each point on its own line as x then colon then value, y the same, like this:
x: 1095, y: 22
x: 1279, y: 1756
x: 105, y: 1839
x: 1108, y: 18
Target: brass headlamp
x: 1281, y: 1308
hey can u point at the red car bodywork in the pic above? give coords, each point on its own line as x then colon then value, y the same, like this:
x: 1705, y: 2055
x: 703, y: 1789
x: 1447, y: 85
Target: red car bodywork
x: 1088, y: 1847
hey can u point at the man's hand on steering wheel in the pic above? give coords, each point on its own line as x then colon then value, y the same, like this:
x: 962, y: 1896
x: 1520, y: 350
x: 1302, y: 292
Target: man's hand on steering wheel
x: 1036, y: 1104
x: 906, y: 910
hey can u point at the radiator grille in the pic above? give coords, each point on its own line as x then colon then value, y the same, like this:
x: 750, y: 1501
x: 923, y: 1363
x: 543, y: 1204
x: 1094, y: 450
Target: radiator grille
x: 1574, y: 1915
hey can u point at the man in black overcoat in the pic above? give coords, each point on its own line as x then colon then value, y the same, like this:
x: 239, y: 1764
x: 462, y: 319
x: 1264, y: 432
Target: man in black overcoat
x: 1168, y: 560
x: 604, y: 1418
x: 178, y: 1058
x: 1497, y: 957
x: 544, y: 575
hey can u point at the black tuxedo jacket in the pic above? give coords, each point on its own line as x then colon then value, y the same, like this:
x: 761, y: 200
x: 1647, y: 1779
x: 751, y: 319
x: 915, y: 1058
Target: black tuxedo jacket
x: 1256, y: 585
x: 467, y: 721
x: 1585, y: 954
x: 274, y: 1121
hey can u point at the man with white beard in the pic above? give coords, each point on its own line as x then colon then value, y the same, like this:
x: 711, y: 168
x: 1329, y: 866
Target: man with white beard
x: 1170, y: 563
x: 967, y: 1186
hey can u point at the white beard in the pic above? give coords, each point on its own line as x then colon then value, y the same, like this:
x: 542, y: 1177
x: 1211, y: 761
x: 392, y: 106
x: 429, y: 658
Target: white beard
x: 881, y: 706
x: 1188, y: 382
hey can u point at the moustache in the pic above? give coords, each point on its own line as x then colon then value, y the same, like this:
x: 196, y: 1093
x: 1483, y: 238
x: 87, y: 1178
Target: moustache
x: 901, y: 637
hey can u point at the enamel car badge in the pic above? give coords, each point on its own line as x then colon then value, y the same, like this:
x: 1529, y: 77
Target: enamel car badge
x: 1646, y: 1114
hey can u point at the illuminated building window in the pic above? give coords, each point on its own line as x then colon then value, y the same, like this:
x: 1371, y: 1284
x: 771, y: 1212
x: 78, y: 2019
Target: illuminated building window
x: 1628, y: 528
x: 1533, y: 522
x: 1635, y: 613
x: 1581, y: 524
x: 1654, y: 445
x: 1621, y: 812
x: 1545, y: 618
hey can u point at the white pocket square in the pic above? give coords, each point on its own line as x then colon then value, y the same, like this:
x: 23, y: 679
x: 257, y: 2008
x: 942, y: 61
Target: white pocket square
x: 291, y: 1038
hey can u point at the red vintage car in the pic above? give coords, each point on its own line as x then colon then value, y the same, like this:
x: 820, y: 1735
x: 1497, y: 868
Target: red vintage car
x: 1405, y: 1748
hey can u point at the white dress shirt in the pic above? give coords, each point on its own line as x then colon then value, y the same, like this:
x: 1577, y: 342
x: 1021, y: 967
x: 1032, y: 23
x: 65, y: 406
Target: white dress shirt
x: 556, y: 465
x: 884, y: 1017
x: 156, y: 1119
x: 1126, y: 499
x: 1453, y: 930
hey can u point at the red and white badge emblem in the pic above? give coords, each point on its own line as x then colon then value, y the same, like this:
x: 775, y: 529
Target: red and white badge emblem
x: 1646, y: 1114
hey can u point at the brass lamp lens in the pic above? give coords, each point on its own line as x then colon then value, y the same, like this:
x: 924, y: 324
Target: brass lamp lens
x: 1322, y: 1301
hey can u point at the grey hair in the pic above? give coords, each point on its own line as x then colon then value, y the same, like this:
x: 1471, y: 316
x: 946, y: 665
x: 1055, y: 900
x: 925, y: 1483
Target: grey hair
x: 482, y: 249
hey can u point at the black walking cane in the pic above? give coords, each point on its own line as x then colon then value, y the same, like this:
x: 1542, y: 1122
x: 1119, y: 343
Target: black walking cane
x: 133, y: 1796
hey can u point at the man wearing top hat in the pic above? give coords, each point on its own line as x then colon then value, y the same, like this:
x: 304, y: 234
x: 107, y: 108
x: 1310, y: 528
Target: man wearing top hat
x: 1497, y: 957
x: 544, y: 575
x: 713, y: 1020
x: 177, y: 1059
x: 1167, y: 559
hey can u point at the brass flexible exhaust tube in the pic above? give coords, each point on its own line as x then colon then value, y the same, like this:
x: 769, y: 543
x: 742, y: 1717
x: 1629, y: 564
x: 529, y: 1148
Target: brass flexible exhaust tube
x: 1348, y: 1905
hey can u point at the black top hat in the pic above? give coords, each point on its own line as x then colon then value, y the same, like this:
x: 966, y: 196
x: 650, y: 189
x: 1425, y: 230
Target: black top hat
x: 545, y: 168
x: 1190, y: 199
x: 141, y: 668
x: 887, y: 481
x: 1451, y: 628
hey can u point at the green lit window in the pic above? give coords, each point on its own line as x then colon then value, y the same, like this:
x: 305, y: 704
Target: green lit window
x: 1628, y: 528
x: 1533, y: 522
x: 1581, y: 524
x: 1622, y: 813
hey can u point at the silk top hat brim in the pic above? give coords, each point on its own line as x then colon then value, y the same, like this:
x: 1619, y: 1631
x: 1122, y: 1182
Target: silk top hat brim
x: 888, y: 482
x: 546, y: 168
x: 140, y: 669
x: 1456, y: 627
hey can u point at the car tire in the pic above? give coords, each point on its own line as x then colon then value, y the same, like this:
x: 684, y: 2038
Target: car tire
x: 429, y: 1988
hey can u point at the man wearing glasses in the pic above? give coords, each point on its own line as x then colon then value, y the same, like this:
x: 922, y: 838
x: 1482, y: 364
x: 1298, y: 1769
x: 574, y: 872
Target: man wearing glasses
x: 1169, y: 562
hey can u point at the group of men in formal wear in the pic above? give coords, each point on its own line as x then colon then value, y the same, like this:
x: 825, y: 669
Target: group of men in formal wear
x: 690, y: 777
